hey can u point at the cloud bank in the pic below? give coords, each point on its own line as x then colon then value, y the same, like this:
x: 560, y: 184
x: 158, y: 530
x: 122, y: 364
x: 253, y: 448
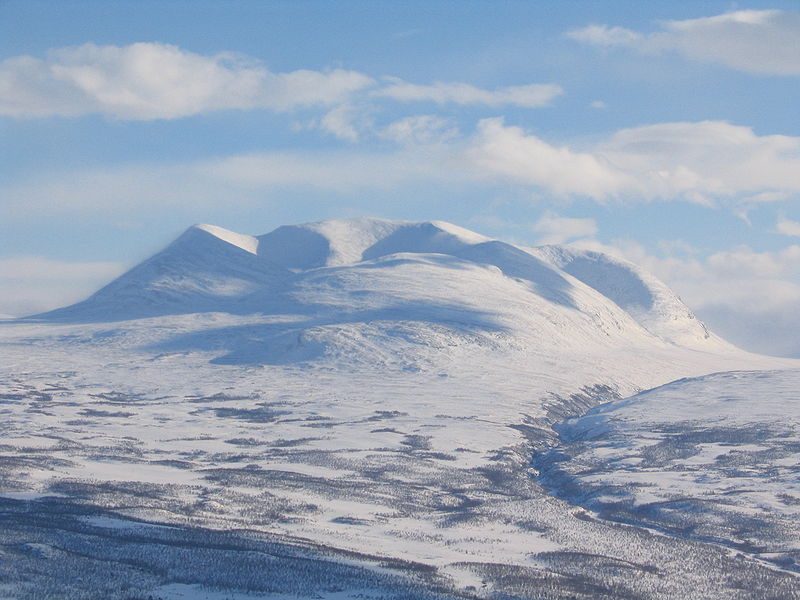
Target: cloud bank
x: 708, y: 162
x: 748, y: 297
x: 705, y: 162
x: 33, y: 284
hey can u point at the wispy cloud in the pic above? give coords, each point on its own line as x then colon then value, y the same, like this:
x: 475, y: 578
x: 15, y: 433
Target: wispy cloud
x: 533, y: 95
x: 420, y: 130
x: 148, y: 80
x: 765, y: 42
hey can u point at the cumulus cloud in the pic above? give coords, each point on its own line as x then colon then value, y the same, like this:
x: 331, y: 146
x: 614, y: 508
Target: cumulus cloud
x: 705, y: 162
x: 508, y: 152
x: 765, y: 42
x: 533, y: 95
x: 705, y: 159
x: 32, y: 284
x: 146, y: 81
x: 559, y: 230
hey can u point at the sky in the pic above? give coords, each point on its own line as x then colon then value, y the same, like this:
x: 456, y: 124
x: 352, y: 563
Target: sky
x: 667, y: 133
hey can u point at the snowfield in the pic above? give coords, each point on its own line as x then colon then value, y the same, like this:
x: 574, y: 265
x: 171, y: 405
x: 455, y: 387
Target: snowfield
x: 352, y: 408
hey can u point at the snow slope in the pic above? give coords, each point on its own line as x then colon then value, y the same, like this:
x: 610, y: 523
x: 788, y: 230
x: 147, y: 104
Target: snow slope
x: 651, y: 303
x: 205, y: 269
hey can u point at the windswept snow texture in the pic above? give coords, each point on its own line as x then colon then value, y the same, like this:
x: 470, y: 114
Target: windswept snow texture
x: 344, y: 409
x: 717, y: 458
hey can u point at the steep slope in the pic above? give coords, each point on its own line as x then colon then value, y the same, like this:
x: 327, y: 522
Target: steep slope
x: 207, y: 268
x: 651, y: 303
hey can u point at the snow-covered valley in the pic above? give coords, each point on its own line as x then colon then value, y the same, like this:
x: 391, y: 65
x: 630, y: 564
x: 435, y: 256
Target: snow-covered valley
x: 377, y: 408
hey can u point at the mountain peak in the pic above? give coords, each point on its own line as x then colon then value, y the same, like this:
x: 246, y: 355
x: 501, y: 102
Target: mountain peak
x: 246, y: 242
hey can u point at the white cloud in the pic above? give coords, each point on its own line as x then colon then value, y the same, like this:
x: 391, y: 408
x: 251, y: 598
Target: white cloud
x: 341, y: 122
x: 560, y: 230
x: 603, y: 35
x: 420, y: 130
x: 705, y: 159
x: 743, y: 261
x: 159, y: 81
x: 598, y: 104
x: 508, y: 152
x: 763, y: 42
x: 528, y: 96
x: 147, y: 80
x: 33, y: 284
x: 710, y: 161
x: 788, y: 227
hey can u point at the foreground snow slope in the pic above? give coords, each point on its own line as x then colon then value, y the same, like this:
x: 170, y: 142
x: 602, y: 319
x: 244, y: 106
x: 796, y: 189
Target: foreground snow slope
x: 355, y: 386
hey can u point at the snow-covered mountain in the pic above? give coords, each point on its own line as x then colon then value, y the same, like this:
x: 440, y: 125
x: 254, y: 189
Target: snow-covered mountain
x: 350, y: 409
x: 376, y: 270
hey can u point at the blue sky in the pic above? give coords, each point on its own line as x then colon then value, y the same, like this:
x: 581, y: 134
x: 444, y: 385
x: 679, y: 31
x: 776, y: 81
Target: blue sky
x: 664, y: 132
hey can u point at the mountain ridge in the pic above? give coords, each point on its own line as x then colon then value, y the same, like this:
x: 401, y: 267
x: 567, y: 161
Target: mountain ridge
x: 334, y: 265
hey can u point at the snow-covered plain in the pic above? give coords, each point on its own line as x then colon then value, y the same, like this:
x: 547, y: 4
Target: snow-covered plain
x: 362, y: 398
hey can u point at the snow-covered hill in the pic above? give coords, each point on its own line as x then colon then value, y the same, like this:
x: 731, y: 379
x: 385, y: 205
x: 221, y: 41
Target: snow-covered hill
x: 356, y: 402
